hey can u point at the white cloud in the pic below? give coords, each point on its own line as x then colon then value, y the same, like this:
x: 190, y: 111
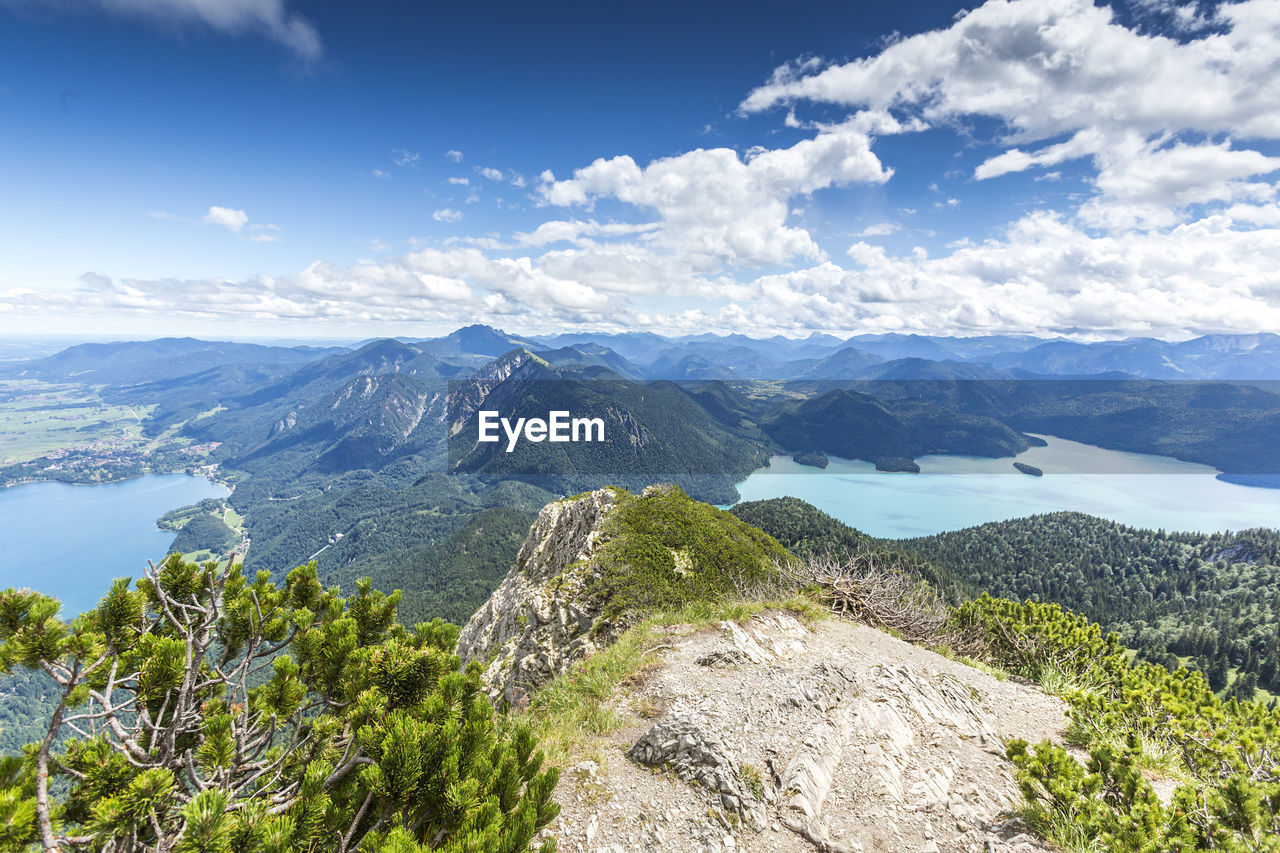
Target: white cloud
x: 1044, y: 274
x: 1148, y: 187
x: 880, y: 229
x: 404, y: 157
x: 455, y: 156
x: 719, y: 208
x: 1053, y: 67
x: 1180, y: 234
x: 557, y: 231
x: 229, y: 218
x: 271, y: 18
x: 1139, y: 105
x: 380, y: 174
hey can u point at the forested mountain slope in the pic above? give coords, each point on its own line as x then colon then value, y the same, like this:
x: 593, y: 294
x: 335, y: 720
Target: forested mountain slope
x: 1208, y: 601
x: 1213, y: 599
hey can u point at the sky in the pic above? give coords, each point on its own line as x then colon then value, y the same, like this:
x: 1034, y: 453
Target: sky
x: 242, y: 168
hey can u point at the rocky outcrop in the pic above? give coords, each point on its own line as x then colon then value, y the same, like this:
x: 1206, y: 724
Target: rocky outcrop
x: 541, y: 620
x: 679, y: 743
x: 761, y: 734
x: 468, y: 397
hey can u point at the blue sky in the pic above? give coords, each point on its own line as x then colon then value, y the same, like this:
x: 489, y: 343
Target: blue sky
x: 275, y: 167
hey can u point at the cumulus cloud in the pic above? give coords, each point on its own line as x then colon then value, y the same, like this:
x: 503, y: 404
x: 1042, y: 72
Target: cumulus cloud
x: 270, y: 18
x: 1149, y: 110
x: 229, y: 218
x: 1179, y: 233
x: 577, y: 232
x: 717, y: 207
x: 1043, y: 274
x: 1052, y: 67
x: 455, y: 156
x: 1046, y: 274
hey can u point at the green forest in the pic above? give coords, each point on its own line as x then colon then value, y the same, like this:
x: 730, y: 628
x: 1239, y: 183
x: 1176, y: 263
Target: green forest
x: 1208, y: 601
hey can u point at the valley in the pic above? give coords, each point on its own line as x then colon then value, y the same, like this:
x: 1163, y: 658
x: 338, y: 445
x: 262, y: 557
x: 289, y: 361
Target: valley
x: 365, y: 458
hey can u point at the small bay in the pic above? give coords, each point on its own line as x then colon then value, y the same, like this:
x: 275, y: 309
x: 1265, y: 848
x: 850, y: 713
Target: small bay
x: 952, y: 492
x: 70, y: 541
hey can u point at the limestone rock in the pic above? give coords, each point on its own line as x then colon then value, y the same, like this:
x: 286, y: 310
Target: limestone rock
x: 697, y: 755
x: 539, y: 621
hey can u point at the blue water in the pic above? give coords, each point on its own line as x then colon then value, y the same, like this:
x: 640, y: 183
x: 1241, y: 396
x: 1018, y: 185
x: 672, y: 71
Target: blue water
x: 952, y: 492
x: 71, y: 541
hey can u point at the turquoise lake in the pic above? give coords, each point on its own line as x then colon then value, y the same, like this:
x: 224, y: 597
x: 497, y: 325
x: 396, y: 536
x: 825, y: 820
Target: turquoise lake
x: 952, y: 492
x: 70, y: 541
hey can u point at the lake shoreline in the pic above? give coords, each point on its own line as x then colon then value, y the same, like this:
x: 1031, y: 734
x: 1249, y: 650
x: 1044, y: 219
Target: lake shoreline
x: 1138, y: 490
x: 92, y: 535
x: 212, y: 476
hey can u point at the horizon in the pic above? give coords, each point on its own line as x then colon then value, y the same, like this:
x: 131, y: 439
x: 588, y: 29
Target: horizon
x: 299, y: 340
x: 302, y: 169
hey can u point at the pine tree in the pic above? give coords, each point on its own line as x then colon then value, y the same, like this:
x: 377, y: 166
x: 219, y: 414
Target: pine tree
x: 1216, y: 672
x: 203, y: 711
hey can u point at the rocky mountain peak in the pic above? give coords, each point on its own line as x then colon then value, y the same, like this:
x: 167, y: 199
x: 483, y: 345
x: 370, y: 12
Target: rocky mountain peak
x: 592, y: 565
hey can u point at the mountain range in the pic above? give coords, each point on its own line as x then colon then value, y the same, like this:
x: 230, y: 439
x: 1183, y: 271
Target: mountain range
x: 366, y: 455
x: 645, y: 355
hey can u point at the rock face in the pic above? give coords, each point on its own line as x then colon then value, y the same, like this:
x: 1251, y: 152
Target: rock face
x: 540, y: 620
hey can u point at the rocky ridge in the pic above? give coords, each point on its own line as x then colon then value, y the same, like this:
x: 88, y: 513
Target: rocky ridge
x: 762, y: 734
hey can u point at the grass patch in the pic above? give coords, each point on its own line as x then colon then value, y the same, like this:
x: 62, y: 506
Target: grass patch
x: 1066, y: 832
x: 992, y: 670
x: 1054, y: 681
x: 1158, y: 758
x: 752, y: 778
